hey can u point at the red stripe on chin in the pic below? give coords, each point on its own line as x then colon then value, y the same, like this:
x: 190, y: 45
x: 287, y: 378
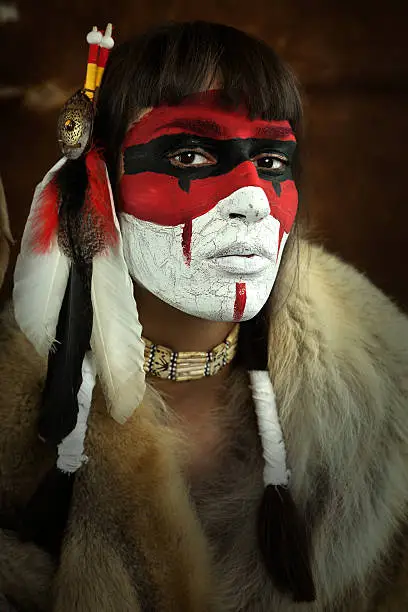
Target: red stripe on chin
x: 240, y: 301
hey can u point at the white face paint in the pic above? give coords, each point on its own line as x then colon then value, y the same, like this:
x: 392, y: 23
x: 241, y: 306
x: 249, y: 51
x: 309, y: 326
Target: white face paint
x: 234, y: 249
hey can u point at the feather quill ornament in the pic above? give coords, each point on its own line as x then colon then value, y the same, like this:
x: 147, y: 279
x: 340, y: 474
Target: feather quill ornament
x: 42, y: 269
x: 117, y: 333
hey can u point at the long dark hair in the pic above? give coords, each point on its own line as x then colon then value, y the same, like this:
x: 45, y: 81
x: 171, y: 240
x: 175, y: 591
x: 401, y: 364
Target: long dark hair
x: 177, y: 59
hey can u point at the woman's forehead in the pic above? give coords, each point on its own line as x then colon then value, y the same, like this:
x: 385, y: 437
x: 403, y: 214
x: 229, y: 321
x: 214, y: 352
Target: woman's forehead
x: 203, y: 114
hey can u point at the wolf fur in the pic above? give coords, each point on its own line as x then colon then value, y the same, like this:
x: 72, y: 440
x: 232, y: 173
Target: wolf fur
x: 146, y: 533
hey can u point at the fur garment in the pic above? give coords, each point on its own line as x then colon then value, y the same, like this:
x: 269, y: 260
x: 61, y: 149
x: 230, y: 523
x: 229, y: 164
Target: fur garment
x: 146, y: 533
x: 5, y: 233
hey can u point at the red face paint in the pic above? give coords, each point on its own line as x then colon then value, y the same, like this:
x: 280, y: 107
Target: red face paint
x: 202, y: 114
x: 186, y: 240
x: 240, y: 301
x: 150, y: 191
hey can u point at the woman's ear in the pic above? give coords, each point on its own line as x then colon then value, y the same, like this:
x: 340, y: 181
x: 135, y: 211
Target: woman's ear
x: 5, y: 234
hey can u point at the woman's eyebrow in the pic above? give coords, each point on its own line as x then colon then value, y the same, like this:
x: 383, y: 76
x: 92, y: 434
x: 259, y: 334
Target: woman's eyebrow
x: 275, y: 132
x: 212, y: 129
x: 201, y: 127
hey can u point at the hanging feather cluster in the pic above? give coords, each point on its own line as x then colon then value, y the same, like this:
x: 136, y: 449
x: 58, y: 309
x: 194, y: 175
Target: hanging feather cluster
x: 85, y: 300
x: 73, y: 224
x: 72, y: 291
x: 93, y: 236
x: 59, y: 214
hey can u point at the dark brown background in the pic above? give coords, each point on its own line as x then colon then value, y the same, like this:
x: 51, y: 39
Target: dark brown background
x: 351, y: 58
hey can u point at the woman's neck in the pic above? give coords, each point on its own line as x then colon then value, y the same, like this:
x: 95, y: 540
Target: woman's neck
x: 165, y: 325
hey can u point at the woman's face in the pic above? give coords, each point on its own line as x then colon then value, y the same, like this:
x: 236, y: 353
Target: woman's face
x: 208, y: 200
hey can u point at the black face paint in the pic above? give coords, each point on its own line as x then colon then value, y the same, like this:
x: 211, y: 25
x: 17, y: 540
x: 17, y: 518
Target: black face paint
x: 153, y: 156
x: 184, y: 183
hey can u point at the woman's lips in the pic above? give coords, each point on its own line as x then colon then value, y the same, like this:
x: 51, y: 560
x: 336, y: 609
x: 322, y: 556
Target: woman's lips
x: 241, y: 264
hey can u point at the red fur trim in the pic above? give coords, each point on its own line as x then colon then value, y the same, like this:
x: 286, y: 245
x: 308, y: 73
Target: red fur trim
x: 45, y: 221
x: 97, y: 199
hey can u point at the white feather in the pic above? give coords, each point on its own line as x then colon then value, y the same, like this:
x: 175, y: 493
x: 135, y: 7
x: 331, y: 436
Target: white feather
x: 39, y: 281
x: 273, y: 445
x: 117, y: 333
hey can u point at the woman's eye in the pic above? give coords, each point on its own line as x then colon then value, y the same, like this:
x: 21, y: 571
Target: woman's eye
x: 191, y: 159
x: 271, y: 163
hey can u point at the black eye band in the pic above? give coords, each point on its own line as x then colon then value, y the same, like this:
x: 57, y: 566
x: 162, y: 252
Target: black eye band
x: 153, y: 156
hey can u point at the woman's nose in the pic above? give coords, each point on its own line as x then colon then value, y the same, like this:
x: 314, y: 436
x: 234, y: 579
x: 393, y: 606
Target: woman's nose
x: 250, y: 204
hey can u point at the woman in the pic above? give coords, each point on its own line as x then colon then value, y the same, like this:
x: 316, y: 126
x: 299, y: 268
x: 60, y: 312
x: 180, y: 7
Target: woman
x: 189, y: 501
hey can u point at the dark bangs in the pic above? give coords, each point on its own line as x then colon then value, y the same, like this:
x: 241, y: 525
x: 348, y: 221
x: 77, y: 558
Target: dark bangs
x: 172, y: 61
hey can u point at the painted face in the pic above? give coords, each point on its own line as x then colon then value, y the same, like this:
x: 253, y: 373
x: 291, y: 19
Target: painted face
x: 208, y: 200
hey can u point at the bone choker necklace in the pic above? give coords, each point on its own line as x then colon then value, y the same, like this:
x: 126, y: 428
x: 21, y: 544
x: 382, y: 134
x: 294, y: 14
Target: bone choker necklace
x: 189, y: 365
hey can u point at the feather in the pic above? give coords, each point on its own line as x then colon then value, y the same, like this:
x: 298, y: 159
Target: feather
x: 98, y: 200
x: 59, y: 409
x: 42, y: 269
x: 117, y: 333
x: 45, y: 218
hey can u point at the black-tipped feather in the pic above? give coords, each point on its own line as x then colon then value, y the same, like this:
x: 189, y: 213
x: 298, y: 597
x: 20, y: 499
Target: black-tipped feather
x: 59, y: 410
